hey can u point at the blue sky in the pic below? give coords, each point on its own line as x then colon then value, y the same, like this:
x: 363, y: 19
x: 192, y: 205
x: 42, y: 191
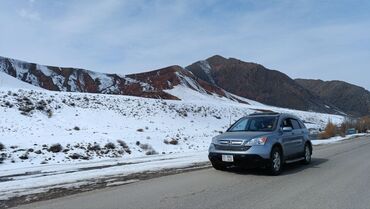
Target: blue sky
x: 326, y: 40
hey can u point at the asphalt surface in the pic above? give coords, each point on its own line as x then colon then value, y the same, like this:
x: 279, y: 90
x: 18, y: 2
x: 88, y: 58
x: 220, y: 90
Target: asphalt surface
x: 339, y: 177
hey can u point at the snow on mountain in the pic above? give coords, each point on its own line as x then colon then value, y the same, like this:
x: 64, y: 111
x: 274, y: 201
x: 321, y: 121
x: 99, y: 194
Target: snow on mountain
x: 9, y: 82
x: 152, y: 84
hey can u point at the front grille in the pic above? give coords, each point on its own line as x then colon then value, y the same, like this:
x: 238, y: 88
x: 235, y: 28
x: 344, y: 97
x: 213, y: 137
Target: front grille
x: 231, y: 148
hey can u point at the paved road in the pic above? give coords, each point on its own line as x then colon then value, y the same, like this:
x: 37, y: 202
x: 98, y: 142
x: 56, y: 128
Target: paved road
x: 339, y: 177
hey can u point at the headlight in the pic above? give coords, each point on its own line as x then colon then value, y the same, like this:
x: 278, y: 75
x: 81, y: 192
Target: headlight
x: 257, y: 141
x: 214, y: 140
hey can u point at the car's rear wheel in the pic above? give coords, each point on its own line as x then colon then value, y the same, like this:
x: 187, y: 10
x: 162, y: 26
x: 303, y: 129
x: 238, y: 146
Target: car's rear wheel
x: 219, y: 166
x: 307, y: 155
x: 276, y: 161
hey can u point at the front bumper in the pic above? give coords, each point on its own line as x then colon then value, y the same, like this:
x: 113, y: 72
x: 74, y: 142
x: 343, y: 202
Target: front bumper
x: 261, y: 151
x: 241, y: 160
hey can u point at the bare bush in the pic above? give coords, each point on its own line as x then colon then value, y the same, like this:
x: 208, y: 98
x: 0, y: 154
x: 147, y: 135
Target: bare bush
x: 151, y: 152
x: 329, y: 131
x: 174, y: 142
x: 95, y: 147
x: 145, y: 146
x: 122, y: 143
x: 110, y: 145
x: 55, y: 148
x: 24, y: 156
x: 124, y: 146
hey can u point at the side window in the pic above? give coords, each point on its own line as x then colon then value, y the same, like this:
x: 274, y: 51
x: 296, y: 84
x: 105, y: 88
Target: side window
x: 295, y: 124
x: 302, y: 124
x: 286, y: 123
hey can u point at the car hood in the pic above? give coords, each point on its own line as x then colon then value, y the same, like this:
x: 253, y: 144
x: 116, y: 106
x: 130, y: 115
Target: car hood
x: 246, y: 136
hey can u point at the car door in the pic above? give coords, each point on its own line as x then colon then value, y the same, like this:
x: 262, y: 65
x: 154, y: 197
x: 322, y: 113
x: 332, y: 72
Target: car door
x: 287, y: 137
x: 298, y: 139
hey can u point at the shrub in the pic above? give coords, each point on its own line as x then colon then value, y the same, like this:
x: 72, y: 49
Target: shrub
x: 110, y: 145
x: 76, y: 128
x: 330, y: 131
x: 75, y: 156
x: 3, y: 157
x: 151, y: 152
x: 24, y: 156
x: 49, y: 112
x: 26, y: 109
x: 124, y: 146
x: 140, y: 130
x: 145, y: 146
x: 55, y: 148
x: 94, y: 147
x: 2, y: 146
x: 174, y: 142
x: 122, y: 143
x: 363, y: 124
x: 128, y: 150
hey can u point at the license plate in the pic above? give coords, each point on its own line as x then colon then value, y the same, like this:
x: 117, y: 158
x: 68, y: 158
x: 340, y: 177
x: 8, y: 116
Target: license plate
x: 228, y: 158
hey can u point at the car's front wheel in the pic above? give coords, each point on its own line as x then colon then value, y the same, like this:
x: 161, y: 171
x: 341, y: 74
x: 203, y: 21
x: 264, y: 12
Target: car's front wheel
x: 307, y: 155
x: 276, y: 161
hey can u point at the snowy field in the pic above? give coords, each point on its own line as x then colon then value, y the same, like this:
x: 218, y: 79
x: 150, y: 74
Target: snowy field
x: 59, y: 133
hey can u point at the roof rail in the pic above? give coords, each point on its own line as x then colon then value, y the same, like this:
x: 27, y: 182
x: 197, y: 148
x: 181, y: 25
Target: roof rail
x: 264, y: 113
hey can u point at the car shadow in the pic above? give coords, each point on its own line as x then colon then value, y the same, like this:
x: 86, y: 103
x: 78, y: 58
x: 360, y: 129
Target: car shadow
x: 288, y: 169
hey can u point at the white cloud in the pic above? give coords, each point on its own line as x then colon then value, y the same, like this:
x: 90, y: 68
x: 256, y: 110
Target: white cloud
x: 301, y: 38
x: 28, y: 14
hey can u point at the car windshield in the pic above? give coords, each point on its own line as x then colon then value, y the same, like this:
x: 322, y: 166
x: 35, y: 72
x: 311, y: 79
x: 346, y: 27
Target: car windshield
x: 263, y: 124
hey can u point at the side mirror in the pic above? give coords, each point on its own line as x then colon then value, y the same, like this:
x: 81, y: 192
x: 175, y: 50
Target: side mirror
x: 287, y: 129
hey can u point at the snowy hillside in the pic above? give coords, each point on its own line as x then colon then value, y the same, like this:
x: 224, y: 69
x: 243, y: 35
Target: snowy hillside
x: 9, y: 82
x: 54, y: 139
x: 97, y: 126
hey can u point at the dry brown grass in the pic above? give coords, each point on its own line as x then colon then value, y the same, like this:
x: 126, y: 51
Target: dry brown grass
x: 330, y: 131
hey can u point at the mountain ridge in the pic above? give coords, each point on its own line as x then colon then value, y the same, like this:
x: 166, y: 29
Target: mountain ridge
x: 228, y: 78
x: 151, y: 84
x: 351, y: 98
x: 254, y: 81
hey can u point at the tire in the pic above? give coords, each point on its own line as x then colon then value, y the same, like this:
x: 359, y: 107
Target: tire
x: 276, y: 161
x: 219, y: 166
x: 307, y: 155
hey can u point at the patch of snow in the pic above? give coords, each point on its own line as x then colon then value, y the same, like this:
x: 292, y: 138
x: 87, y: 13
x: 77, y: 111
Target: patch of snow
x: 204, y: 65
x: 9, y: 82
x: 335, y: 139
x: 45, y: 70
x: 105, y: 81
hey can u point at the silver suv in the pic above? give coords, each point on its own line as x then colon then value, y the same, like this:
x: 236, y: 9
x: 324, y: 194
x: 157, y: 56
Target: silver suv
x: 262, y: 139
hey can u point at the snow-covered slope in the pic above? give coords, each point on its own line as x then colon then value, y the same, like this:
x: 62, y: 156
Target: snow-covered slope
x: 9, y: 82
x: 98, y: 126
x: 52, y: 139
